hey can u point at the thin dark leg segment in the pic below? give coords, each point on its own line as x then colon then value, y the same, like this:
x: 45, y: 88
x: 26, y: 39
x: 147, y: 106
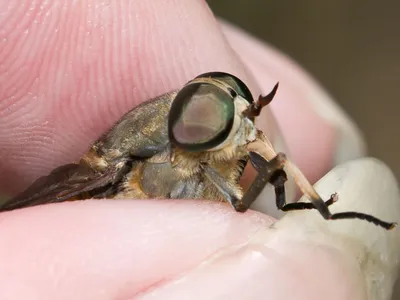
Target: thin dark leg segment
x: 306, y: 205
x: 266, y: 170
x: 278, y: 180
x: 362, y: 216
x: 277, y: 177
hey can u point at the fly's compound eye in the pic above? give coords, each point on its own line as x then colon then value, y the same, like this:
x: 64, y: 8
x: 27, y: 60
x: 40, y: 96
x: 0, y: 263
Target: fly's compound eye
x: 201, y: 117
x: 233, y: 82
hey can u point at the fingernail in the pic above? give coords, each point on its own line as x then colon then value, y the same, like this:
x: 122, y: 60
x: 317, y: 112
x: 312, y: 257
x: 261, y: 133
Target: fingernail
x: 307, y: 253
x: 256, y: 271
x: 364, y: 185
x: 228, y: 272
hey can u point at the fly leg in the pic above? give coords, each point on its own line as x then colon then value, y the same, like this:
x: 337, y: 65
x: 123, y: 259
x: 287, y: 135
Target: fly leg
x: 230, y: 192
x: 269, y: 163
x: 266, y: 170
x: 278, y: 181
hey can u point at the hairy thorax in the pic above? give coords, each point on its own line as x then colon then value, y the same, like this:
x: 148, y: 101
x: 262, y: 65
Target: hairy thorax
x: 179, y: 174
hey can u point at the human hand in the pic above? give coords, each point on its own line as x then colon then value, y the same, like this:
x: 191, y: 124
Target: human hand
x: 69, y: 71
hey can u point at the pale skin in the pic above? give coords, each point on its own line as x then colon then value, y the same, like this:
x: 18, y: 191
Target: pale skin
x: 60, y: 92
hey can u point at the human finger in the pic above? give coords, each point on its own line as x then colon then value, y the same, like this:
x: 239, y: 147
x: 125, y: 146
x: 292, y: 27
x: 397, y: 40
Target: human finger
x: 126, y: 249
x: 307, y: 257
x: 91, y: 64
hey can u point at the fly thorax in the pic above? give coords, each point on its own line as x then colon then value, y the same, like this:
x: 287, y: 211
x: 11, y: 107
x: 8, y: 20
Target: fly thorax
x: 185, y: 163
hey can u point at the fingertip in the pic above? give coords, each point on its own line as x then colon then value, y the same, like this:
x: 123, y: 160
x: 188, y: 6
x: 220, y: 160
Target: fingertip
x: 122, y: 246
x: 271, y: 266
x: 368, y: 186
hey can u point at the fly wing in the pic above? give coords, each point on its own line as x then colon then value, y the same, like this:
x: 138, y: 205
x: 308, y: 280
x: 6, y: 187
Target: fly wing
x: 63, y: 183
x: 141, y: 133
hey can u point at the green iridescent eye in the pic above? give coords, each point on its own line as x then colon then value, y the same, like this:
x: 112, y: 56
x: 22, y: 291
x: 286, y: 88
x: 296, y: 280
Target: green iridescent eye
x: 201, y: 117
x: 233, y: 82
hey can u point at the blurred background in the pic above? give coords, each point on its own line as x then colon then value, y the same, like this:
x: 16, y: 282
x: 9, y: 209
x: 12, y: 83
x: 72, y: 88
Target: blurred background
x: 351, y: 47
